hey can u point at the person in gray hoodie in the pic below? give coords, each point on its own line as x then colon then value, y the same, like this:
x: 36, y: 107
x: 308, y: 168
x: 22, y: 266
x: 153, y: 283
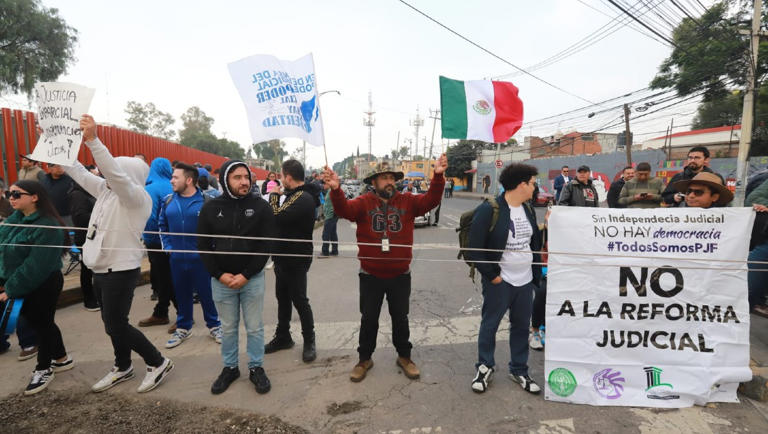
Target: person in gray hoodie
x: 113, y: 250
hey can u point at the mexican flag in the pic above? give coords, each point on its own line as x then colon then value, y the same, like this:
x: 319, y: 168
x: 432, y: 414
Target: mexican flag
x: 483, y: 110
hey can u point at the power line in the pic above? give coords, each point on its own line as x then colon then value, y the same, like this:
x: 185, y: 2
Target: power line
x: 492, y: 53
x: 631, y: 25
x: 618, y: 6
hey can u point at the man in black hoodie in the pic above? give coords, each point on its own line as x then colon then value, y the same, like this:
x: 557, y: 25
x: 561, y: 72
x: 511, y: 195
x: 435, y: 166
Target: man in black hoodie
x: 698, y: 161
x: 294, y: 207
x: 237, y: 281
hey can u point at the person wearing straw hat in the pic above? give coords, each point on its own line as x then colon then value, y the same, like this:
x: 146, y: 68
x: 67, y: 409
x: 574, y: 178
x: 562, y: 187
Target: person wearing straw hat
x: 705, y: 190
x: 385, y: 216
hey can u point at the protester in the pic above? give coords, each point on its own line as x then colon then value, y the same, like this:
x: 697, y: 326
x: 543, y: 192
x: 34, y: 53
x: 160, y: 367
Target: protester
x: 58, y: 185
x: 212, y: 179
x: 158, y: 185
x: 81, y: 206
x: 385, y: 217
x: 579, y: 191
x: 757, y: 278
x: 615, y: 190
x: 486, y: 183
x: 113, y: 251
x: 330, y: 237
x: 33, y: 272
x: 5, y: 205
x: 294, y: 209
x: 561, y: 181
x: 643, y: 190
x: 271, y: 178
x: 538, y: 316
x: 508, y: 278
x: 237, y: 280
x: 697, y: 162
x: 30, y: 171
x: 204, y: 183
x: 179, y: 214
x: 705, y: 190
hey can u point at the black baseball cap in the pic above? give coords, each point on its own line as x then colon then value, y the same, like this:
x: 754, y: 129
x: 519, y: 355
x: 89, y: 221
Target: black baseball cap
x: 583, y: 168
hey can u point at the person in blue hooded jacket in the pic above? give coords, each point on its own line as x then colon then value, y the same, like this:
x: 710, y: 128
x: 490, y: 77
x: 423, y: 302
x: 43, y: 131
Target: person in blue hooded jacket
x: 178, y: 214
x: 158, y: 186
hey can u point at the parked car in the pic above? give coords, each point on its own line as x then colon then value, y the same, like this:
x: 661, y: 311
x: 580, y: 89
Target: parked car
x: 545, y: 198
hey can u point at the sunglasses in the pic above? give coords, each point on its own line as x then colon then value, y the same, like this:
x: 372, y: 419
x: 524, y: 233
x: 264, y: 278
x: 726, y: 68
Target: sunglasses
x: 15, y: 194
x: 696, y: 192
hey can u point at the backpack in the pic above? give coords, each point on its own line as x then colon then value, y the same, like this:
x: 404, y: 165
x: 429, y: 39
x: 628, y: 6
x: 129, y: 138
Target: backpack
x: 465, y: 223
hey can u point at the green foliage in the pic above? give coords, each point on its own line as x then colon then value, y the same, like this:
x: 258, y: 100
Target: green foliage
x: 36, y: 44
x: 147, y: 119
x: 460, y: 156
x: 271, y: 150
x: 196, y: 133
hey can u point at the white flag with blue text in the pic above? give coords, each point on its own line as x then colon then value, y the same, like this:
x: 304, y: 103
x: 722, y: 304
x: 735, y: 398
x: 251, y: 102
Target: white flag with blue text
x: 280, y: 97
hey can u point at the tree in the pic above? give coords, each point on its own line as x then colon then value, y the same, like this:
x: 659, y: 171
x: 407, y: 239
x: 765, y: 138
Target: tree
x: 404, y: 151
x: 271, y: 150
x: 196, y: 133
x: 195, y: 123
x: 147, y: 119
x: 36, y: 44
x: 719, y: 112
x: 395, y: 154
x: 460, y: 157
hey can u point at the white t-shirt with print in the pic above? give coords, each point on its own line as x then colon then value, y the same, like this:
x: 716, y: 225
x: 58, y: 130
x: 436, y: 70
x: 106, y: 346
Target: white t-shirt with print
x: 515, y: 263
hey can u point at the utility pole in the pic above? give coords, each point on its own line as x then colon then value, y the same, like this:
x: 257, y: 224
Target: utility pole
x: 745, y: 141
x: 627, y: 136
x: 434, y: 115
x: 370, y: 122
x: 416, y: 123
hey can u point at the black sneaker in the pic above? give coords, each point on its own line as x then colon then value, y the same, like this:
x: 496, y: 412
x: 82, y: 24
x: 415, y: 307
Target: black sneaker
x: 227, y: 376
x: 153, y: 297
x: 482, y: 379
x: 277, y: 344
x: 40, y: 380
x: 526, y: 382
x: 309, y: 352
x: 259, y: 378
x: 66, y: 365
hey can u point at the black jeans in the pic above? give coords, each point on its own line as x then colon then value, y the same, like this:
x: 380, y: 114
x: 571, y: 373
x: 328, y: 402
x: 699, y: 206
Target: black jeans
x: 539, y: 304
x: 291, y: 290
x: 372, y: 292
x: 114, y: 291
x: 39, y: 310
x: 86, y: 285
x: 330, y: 234
x: 161, y: 281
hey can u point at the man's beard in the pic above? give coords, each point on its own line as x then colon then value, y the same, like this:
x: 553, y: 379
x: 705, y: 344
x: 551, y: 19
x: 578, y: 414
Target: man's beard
x: 387, y: 192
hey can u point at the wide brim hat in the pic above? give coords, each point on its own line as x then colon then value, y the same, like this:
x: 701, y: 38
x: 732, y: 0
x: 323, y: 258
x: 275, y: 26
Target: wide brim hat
x: 709, y: 179
x: 381, y: 169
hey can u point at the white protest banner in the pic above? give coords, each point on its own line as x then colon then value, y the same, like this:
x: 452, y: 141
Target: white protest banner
x: 645, y: 317
x: 280, y: 97
x: 59, y: 108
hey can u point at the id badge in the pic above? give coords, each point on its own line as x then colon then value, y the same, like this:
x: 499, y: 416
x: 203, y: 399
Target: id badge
x: 91, y: 234
x: 385, y: 244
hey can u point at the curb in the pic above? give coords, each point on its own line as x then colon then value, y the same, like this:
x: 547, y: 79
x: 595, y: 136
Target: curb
x: 73, y: 294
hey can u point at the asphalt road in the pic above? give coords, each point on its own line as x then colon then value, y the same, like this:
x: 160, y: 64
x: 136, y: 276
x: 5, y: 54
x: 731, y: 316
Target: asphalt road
x: 445, y: 311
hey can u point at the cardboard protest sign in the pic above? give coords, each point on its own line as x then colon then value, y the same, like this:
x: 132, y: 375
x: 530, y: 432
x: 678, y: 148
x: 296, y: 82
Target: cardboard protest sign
x: 59, y: 108
x: 280, y: 98
x: 644, y: 316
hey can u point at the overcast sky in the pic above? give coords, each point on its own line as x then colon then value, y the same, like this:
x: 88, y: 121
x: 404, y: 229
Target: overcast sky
x: 175, y: 54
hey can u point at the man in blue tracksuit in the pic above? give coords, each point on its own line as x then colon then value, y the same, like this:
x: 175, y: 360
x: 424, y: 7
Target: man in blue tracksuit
x: 178, y: 214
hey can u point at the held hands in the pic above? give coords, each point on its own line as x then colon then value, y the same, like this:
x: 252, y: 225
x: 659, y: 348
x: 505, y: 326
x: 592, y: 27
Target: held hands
x: 88, y: 125
x: 330, y: 178
x: 441, y: 165
x: 233, y: 281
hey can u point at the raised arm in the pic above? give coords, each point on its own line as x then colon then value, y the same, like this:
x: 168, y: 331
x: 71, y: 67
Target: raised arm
x: 348, y: 209
x: 91, y: 183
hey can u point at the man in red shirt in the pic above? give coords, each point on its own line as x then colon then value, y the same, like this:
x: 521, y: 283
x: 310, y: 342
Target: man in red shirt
x: 384, y: 220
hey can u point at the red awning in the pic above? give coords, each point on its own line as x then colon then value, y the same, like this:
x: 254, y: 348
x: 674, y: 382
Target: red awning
x: 470, y: 171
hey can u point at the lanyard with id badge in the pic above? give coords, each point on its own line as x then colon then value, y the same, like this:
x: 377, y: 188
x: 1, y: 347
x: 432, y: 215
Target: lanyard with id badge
x: 385, y: 237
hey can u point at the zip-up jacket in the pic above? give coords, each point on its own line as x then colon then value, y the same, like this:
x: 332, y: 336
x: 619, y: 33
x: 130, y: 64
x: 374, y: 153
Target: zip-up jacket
x: 481, y: 238
x: 158, y: 186
x: 295, y: 219
x: 375, y: 220
x: 248, y: 216
x: 669, y: 193
x: 178, y: 217
x: 24, y: 268
x: 575, y: 194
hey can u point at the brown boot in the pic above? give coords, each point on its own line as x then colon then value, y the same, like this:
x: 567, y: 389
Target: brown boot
x: 359, y: 371
x: 409, y: 368
x: 153, y: 321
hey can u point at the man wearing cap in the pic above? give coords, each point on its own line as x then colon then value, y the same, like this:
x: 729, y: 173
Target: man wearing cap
x: 580, y: 191
x: 705, y: 190
x: 385, y: 220
x: 30, y: 170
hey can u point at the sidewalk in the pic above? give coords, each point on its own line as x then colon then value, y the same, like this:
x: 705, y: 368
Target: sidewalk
x: 758, y: 339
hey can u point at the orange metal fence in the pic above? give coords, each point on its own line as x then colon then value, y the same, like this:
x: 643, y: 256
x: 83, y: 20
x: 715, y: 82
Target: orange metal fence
x: 18, y: 138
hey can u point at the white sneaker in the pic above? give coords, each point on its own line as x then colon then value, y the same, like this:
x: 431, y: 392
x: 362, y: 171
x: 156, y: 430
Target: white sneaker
x: 155, y: 376
x: 526, y: 382
x: 112, y: 378
x: 39, y: 382
x: 482, y: 379
x: 534, y: 341
x: 270, y: 265
x: 179, y: 336
x: 216, y: 334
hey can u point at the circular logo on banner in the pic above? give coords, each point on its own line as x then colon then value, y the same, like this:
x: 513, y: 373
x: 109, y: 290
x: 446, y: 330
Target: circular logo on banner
x: 562, y: 382
x: 482, y: 107
x: 609, y: 383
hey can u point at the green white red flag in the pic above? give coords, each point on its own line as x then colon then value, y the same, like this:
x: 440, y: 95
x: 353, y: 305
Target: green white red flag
x: 483, y: 110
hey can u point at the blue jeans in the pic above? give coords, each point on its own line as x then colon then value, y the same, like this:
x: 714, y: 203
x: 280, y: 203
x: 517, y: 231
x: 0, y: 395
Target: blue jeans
x: 229, y: 302
x: 497, y: 300
x: 757, y: 281
x: 191, y: 276
x: 24, y: 331
x: 329, y: 234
